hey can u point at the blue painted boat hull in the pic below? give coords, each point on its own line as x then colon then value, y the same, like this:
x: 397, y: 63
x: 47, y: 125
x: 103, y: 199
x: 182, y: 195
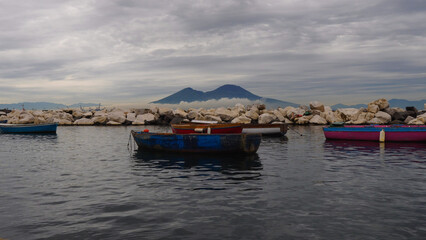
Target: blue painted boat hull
x: 28, y: 128
x: 198, y: 143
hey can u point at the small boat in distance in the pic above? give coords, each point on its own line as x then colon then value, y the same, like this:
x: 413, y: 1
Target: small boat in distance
x: 266, y: 129
x: 198, y: 142
x: 28, y: 128
x: 272, y: 129
x: 382, y: 133
x: 213, y: 128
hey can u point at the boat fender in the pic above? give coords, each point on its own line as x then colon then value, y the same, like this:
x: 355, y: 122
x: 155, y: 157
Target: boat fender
x: 145, y: 130
x: 382, y: 136
x: 209, y: 130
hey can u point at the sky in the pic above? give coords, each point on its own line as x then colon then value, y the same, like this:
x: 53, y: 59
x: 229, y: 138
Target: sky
x: 105, y: 51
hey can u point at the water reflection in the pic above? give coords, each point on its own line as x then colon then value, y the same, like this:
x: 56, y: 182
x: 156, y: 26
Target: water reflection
x: 370, y: 145
x: 229, y: 164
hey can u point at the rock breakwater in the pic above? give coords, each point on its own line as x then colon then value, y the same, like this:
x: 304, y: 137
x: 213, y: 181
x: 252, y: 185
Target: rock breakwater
x: 377, y: 112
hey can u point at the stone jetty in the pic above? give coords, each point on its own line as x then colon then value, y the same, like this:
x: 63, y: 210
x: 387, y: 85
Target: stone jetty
x: 377, y: 112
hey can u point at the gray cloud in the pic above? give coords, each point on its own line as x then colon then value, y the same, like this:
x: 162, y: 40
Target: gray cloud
x: 139, y: 51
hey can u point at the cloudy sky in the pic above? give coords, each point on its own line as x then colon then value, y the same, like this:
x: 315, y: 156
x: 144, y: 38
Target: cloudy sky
x: 123, y: 51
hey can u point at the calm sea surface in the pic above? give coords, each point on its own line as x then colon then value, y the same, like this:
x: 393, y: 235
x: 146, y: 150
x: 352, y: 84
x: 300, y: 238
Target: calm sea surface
x: 84, y: 183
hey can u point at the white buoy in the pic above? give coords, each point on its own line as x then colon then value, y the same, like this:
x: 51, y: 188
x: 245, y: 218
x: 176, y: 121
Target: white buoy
x: 382, y: 136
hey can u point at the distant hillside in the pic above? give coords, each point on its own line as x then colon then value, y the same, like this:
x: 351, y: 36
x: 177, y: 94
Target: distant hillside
x: 402, y: 103
x: 43, y: 105
x: 226, y: 91
x: 337, y: 106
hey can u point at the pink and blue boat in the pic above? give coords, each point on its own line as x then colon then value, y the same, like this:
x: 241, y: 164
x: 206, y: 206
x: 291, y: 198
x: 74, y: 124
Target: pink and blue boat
x: 387, y: 133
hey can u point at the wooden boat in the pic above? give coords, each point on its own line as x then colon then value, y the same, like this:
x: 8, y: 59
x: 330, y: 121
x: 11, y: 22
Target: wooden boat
x: 386, y: 133
x: 265, y: 129
x: 28, y: 128
x: 198, y: 142
x: 214, y: 128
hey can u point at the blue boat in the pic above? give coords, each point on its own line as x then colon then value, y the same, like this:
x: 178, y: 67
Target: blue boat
x: 28, y: 128
x: 198, y: 142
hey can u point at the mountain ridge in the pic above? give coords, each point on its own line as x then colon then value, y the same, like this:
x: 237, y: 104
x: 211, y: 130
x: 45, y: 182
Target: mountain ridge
x: 229, y: 91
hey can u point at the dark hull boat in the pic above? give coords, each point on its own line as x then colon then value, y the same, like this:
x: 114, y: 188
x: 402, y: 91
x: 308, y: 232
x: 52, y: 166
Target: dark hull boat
x: 198, y: 143
x: 28, y: 128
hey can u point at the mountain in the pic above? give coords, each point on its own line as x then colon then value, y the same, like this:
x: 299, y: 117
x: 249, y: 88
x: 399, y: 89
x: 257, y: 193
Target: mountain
x: 402, y: 103
x: 43, y: 105
x: 335, y: 107
x: 226, y: 91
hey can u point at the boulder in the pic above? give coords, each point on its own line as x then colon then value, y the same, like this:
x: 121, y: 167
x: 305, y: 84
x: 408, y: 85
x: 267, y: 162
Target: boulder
x: 180, y: 113
x: 381, y: 103
x: 266, y: 118
x: 315, y: 105
x: 212, y: 118
x: 192, y: 115
x: 113, y: 123
x: 100, y: 120
x: 318, y: 120
x: 304, y: 120
x: 26, y: 118
x: 384, y: 116
x: 408, y: 119
x: 84, y: 121
x: 225, y: 114
x: 77, y: 114
x: 131, y: 117
x: 165, y: 111
x: 373, y: 108
x: 416, y: 122
x: 117, y: 116
x: 146, y: 118
x: 3, y: 113
x: 241, y: 119
x: 61, y: 121
x: 87, y: 114
x: 252, y: 114
x: 279, y: 115
x: 346, y: 114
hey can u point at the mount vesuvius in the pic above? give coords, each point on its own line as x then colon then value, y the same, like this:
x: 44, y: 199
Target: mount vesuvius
x: 226, y: 91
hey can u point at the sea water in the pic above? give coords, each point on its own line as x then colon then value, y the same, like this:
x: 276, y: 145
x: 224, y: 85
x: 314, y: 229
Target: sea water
x: 91, y: 183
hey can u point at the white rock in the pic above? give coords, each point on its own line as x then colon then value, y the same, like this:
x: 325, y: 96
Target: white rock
x: 384, y: 116
x: 117, y: 116
x: 113, y: 123
x: 131, y: 116
x: 346, y: 113
x: 416, y: 122
x: 373, y: 108
x: 100, y: 120
x: 252, y: 114
x: 318, y: 120
x: 84, y: 121
x: 212, y: 118
x: 304, y: 120
x: 87, y: 114
x: 315, y: 105
x: 278, y: 114
x: 146, y: 118
x: 3, y: 113
x: 225, y: 114
x: 408, y: 119
x: 165, y: 111
x: 327, y: 109
x: 382, y: 103
x: 266, y: 118
x: 192, y: 115
x: 241, y: 119
x: 77, y: 114
x: 180, y: 113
